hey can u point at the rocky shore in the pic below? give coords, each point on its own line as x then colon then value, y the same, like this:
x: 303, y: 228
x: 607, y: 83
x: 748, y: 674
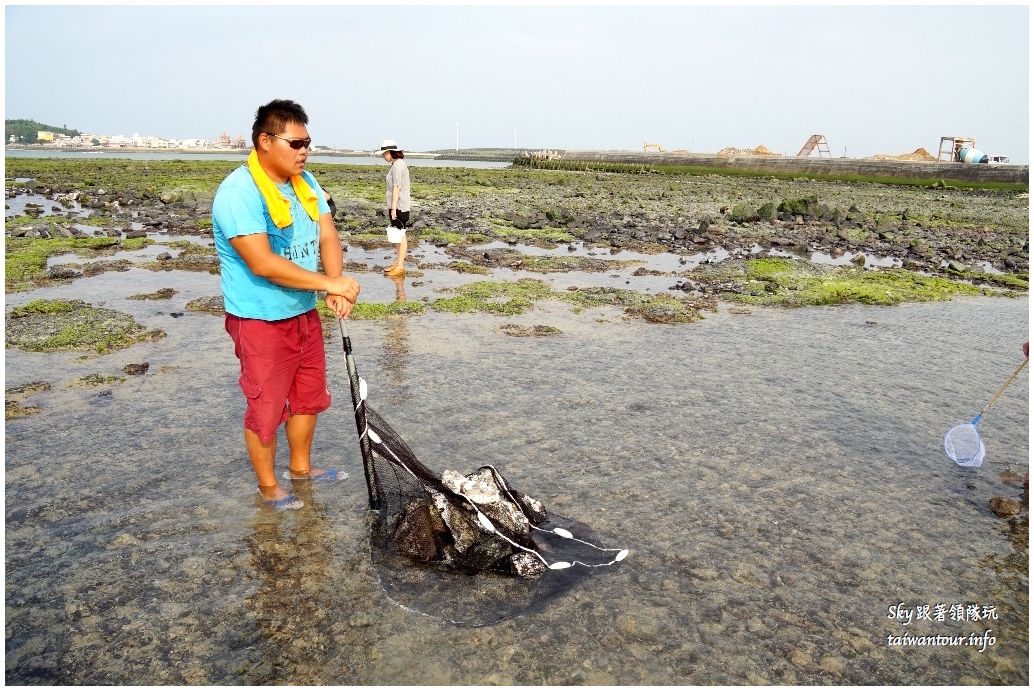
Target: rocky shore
x: 598, y: 336
x: 760, y: 240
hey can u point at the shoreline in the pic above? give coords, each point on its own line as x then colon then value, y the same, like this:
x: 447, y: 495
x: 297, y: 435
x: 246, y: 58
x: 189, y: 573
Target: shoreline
x: 833, y: 169
x: 219, y: 152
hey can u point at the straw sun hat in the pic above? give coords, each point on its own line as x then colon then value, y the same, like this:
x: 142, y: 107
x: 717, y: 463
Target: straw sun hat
x: 387, y: 145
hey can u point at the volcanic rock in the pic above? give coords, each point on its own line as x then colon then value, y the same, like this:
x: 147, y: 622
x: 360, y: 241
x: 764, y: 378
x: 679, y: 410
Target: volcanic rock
x: 63, y: 272
x: 1003, y: 507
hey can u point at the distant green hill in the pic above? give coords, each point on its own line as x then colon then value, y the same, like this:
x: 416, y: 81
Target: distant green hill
x: 25, y: 130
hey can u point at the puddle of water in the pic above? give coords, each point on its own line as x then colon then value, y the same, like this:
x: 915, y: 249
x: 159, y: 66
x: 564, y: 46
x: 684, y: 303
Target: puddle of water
x: 871, y: 260
x: 617, y: 278
x: 672, y: 262
x: 774, y: 499
x: 984, y: 266
x: 378, y: 289
x: 16, y: 206
x: 144, y: 254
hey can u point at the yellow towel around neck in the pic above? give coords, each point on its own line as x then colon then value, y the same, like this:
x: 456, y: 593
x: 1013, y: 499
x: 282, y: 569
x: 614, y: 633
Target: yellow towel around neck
x: 278, y: 205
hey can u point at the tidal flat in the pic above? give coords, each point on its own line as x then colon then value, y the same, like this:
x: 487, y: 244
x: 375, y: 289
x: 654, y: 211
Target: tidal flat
x: 621, y: 346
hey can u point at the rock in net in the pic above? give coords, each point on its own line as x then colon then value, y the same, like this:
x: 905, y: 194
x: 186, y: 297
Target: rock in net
x: 470, y: 549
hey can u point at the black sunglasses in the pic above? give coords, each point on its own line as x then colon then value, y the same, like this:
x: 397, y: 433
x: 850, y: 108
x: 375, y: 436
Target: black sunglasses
x: 295, y: 143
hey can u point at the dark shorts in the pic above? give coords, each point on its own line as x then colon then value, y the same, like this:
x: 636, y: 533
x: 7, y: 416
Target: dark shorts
x: 401, y: 219
x: 283, y: 369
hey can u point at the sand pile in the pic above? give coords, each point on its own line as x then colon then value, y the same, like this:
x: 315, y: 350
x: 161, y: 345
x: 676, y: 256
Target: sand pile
x: 919, y: 154
x: 759, y: 150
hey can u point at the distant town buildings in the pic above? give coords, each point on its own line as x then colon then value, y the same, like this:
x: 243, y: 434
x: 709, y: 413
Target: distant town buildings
x: 224, y: 142
x: 56, y: 140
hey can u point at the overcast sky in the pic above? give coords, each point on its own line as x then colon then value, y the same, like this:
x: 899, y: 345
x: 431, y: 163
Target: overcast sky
x: 878, y: 79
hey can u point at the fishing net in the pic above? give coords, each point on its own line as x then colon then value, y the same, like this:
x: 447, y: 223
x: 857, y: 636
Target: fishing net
x: 963, y: 444
x: 470, y: 549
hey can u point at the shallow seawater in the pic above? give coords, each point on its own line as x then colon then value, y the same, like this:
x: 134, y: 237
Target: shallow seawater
x: 778, y: 477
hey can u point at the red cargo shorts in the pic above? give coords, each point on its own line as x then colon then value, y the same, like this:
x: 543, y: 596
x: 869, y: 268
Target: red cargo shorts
x: 283, y: 369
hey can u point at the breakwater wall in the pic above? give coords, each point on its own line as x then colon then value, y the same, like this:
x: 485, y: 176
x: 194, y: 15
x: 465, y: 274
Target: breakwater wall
x: 783, y: 165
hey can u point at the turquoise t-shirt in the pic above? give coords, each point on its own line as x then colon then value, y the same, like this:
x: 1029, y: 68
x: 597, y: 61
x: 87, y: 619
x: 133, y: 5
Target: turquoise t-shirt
x: 238, y: 209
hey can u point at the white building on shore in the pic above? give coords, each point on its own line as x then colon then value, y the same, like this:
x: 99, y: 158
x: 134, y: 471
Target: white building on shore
x: 193, y: 144
x: 56, y: 140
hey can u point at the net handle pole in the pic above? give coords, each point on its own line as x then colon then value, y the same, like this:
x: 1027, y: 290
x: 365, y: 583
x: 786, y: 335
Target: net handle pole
x: 360, y: 418
x: 1004, y: 386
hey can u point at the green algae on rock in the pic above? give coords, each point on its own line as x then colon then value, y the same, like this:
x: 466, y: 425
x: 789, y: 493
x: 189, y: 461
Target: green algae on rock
x: 510, y: 298
x: 515, y: 260
x: 49, y: 325
x: 376, y: 310
x: 91, y: 380
x: 462, y: 267
x: 434, y: 236
x: 536, y: 330
x: 1017, y: 281
x: 796, y: 283
x: 25, y: 260
x: 367, y: 241
x: 495, y: 297
x: 542, y: 236
x: 160, y: 294
x: 192, y: 257
x: 186, y: 262
x: 441, y: 237
x: 662, y: 309
x: 548, y: 264
x: 209, y: 305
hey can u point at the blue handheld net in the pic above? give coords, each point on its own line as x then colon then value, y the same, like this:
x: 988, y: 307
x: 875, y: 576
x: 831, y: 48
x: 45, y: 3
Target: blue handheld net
x: 962, y: 443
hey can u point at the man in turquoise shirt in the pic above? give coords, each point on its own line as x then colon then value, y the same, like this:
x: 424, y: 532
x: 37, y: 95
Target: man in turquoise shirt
x: 272, y: 231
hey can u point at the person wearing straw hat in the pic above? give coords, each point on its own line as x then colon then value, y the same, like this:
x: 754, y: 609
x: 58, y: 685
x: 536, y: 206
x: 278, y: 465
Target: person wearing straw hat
x: 397, y: 203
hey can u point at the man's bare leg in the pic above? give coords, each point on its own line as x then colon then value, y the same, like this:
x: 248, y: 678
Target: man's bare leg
x: 300, y: 430
x: 262, y: 457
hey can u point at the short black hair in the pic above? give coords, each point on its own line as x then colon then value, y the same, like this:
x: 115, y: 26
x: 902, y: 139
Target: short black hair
x: 396, y: 154
x: 275, y: 116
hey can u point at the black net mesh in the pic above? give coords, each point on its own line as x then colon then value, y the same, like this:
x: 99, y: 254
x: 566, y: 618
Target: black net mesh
x: 469, y: 549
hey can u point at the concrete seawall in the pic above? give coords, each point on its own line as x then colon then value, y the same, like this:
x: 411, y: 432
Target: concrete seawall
x: 789, y: 165
x: 818, y: 166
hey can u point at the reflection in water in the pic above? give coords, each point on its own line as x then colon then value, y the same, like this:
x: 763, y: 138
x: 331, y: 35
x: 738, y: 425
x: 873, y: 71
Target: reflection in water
x: 291, y: 556
x: 396, y: 349
x: 400, y: 288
